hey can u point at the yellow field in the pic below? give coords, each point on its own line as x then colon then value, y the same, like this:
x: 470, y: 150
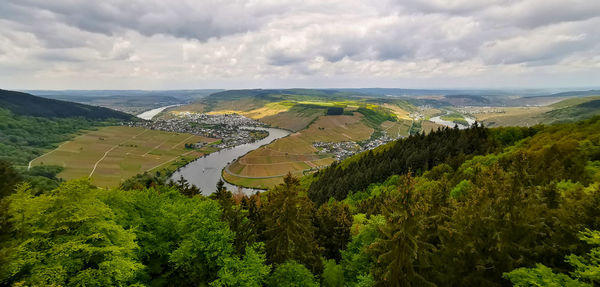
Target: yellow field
x: 110, y: 155
x: 293, y: 119
x: 399, y: 112
x: 295, y: 153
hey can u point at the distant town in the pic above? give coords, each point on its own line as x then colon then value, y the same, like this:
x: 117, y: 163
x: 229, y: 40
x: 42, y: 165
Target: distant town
x: 232, y: 129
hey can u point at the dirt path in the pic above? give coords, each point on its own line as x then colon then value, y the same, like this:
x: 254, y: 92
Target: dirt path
x: 154, y: 148
x: 169, y: 160
x: 29, y: 165
x: 183, y: 141
x: 111, y: 149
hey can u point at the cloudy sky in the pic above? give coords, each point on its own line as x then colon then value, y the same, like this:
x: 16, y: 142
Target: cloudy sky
x: 159, y: 44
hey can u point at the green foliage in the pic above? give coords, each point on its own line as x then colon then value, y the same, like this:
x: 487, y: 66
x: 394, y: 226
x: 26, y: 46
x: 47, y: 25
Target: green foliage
x: 292, y: 274
x: 67, y: 238
x: 398, y: 250
x: 333, y: 222
x: 289, y: 230
x: 375, y: 117
x: 356, y: 263
x: 333, y: 275
x: 586, y: 268
x: 249, y: 271
x: 9, y: 177
x: 520, y: 205
x: 182, y: 240
x: 461, y: 189
x: 571, y: 113
x: 414, y: 154
x: 237, y: 218
x: 541, y: 276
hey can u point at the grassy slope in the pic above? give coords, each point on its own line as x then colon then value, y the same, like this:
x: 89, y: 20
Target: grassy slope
x: 120, y: 152
x: 582, y: 110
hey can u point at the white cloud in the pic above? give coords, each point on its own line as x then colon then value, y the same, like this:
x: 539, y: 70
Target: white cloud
x: 254, y: 43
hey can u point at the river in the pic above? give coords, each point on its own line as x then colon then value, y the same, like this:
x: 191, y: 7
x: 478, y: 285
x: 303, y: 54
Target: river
x: 438, y: 120
x: 148, y: 115
x: 205, y: 172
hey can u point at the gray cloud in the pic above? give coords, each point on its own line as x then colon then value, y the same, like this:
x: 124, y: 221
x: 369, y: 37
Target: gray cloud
x: 183, y: 42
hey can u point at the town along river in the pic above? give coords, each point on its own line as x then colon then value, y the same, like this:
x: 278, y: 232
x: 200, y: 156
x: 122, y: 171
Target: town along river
x: 205, y: 172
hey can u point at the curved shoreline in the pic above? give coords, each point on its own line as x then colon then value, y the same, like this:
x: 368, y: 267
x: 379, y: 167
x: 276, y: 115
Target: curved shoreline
x: 205, y: 171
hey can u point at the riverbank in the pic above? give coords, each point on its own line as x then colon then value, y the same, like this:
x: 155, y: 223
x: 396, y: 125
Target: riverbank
x: 206, y: 171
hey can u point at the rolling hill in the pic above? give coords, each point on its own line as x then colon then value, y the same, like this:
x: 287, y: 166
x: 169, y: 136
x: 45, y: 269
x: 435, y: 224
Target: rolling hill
x: 31, y: 125
x: 29, y: 105
x: 573, y: 110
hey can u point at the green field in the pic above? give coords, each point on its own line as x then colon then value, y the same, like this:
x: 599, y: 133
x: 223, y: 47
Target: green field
x: 110, y: 155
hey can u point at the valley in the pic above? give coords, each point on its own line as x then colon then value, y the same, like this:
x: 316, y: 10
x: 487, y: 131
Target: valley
x: 339, y: 156
x: 299, y: 143
x: 324, y: 126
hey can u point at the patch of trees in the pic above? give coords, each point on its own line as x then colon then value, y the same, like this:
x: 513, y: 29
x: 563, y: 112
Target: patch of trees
x: 375, y: 117
x: 335, y: 111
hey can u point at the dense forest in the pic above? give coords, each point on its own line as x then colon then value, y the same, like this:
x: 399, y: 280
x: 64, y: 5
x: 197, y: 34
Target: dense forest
x: 475, y: 207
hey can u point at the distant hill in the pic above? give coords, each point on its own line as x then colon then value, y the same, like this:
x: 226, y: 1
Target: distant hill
x: 576, y: 93
x: 29, y: 105
x: 573, y: 110
x: 467, y: 100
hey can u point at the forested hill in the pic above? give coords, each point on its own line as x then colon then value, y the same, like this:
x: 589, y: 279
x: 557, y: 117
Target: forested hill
x: 29, y: 105
x: 415, y: 154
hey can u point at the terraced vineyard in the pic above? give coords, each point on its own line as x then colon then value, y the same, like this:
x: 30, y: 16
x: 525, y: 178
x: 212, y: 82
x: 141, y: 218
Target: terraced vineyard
x: 266, y: 166
x: 112, y: 154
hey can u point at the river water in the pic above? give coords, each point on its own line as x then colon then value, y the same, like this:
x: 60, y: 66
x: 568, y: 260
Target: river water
x: 205, y: 172
x: 148, y: 115
x: 438, y: 120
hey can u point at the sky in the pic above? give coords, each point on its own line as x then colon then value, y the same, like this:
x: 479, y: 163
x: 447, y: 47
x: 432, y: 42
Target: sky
x: 195, y: 44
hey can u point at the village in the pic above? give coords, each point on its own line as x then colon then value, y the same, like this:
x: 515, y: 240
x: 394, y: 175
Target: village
x: 232, y: 129
x: 342, y: 150
x: 235, y: 129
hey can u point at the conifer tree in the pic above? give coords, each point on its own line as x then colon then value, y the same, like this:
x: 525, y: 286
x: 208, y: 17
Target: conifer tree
x: 398, y: 249
x: 289, y: 230
x: 333, y: 222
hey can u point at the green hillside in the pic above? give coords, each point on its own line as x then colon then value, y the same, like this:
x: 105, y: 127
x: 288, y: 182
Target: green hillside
x: 516, y: 198
x: 30, y: 125
x: 573, y: 110
x: 29, y: 105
